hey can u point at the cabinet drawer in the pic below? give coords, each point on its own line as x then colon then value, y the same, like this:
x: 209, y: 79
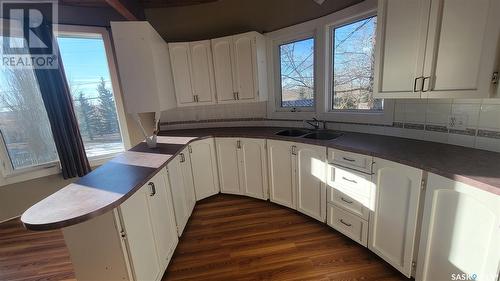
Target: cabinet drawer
x: 357, y: 206
x: 348, y: 224
x: 351, y: 160
x: 352, y: 183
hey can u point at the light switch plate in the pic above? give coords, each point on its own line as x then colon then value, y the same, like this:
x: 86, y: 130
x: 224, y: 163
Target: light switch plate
x: 457, y: 121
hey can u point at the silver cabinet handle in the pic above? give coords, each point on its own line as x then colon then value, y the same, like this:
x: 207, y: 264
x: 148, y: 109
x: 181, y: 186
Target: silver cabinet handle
x: 238, y: 144
x: 415, y: 84
x: 183, y: 158
x: 344, y: 223
x: 348, y: 159
x: 190, y: 149
x: 237, y: 95
x: 423, y: 84
x: 349, y: 180
x: 294, y: 150
x: 347, y: 201
x: 234, y: 96
x: 152, y: 189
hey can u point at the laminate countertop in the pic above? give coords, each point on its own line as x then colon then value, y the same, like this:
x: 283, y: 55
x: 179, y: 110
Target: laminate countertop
x: 109, y: 185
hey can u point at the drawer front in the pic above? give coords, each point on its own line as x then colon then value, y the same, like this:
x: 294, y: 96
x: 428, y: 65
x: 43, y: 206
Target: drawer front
x: 348, y: 224
x: 351, y: 160
x: 350, y: 182
x: 357, y: 206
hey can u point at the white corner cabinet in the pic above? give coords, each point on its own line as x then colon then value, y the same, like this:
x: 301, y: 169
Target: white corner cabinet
x: 243, y: 166
x: 144, y: 67
x: 393, y: 221
x: 240, y: 67
x: 297, y: 176
x: 180, y: 176
x: 460, y: 232
x: 204, y: 168
x: 135, y: 241
x: 436, y: 48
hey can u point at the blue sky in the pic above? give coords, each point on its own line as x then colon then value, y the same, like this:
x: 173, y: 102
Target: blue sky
x: 85, y: 63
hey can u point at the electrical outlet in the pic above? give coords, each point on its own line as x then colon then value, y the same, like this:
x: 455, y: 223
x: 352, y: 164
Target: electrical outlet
x: 458, y: 121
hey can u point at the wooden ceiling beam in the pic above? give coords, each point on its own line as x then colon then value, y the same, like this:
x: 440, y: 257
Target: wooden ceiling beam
x: 122, y: 9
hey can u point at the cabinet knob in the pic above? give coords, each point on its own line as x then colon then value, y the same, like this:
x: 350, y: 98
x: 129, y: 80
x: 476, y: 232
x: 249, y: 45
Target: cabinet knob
x: 152, y: 189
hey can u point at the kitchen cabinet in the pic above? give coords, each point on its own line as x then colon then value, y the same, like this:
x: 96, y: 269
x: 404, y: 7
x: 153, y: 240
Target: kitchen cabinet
x: 243, y: 166
x: 240, y: 67
x: 297, y: 177
x: 204, y: 167
x: 436, y: 48
x: 393, y: 222
x: 144, y: 67
x: 460, y: 233
x: 181, y: 182
x: 193, y: 73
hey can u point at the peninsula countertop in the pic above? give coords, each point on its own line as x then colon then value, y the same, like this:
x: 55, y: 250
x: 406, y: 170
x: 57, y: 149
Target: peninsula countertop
x: 109, y: 185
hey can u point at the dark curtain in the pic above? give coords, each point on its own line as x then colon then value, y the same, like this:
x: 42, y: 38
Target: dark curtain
x: 57, y: 100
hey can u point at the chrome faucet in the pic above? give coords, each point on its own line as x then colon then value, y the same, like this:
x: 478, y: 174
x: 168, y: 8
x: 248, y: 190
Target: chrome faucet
x: 315, y: 123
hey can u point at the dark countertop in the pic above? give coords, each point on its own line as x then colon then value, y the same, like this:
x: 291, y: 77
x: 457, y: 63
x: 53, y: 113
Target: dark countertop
x: 112, y: 183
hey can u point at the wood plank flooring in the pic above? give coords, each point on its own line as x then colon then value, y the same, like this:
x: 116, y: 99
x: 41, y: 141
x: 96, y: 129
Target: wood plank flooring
x: 33, y: 255
x: 227, y: 238
x: 240, y: 238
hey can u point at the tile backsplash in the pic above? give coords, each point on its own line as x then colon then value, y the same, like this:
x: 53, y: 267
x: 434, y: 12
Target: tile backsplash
x: 417, y: 119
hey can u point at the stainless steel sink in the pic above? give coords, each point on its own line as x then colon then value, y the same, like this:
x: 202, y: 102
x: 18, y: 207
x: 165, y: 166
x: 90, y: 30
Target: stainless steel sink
x: 292, y: 132
x: 323, y: 135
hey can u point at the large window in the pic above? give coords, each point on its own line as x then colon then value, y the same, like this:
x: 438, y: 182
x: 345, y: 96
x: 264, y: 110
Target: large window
x: 297, y: 73
x: 86, y: 68
x: 24, y: 125
x: 353, y: 66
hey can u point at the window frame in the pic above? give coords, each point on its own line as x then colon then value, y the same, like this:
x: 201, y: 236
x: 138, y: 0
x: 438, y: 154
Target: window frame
x: 331, y: 28
x: 10, y: 176
x: 295, y: 39
x: 321, y: 28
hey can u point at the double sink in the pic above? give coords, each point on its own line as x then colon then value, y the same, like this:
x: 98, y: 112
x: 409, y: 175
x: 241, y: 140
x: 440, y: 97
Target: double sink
x: 307, y: 134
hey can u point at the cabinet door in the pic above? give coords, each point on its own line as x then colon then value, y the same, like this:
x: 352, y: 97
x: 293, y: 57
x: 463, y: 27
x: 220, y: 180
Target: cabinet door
x: 162, y: 217
x: 139, y: 230
x: 181, y: 70
x: 461, y: 48
x: 310, y: 179
x: 204, y: 165
x: 460, y: 233
x: 281, y: 173
x: 179, y: 199
x: 400, y: 48
x: 394, y: 219
x: 223, y: 68
x: 187, y: 174
x: 227, y: 157
x: 253, y: 168
x: 202, y: 69
x: 245, y: 66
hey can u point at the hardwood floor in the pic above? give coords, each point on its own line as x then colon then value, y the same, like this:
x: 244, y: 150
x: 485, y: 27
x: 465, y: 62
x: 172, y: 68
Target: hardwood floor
x: 33, y: 255
x: 227, y: 238
x: 239, y: 238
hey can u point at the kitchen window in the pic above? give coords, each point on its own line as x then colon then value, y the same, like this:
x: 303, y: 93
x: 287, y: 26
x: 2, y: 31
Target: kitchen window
x: 353, y: 64
x: 86, y: 68
x: 296, y: 62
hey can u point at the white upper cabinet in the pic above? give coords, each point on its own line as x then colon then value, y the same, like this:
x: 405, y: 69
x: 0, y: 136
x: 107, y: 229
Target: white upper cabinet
x: 144, y: 67
x: 400, y: 47
x: 193, y: 74
x: 436, y: 48
x: 393, y: 221
x: 460, y: 232
x: 240, y: 67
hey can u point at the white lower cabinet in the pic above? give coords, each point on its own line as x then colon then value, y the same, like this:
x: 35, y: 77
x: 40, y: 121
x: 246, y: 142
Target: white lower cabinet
x: 297, y: 177
x: 204, y: 167
x: 460, y: 235
x: 181, y: 183
x: 393, y: 222
x: 243, y: 166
